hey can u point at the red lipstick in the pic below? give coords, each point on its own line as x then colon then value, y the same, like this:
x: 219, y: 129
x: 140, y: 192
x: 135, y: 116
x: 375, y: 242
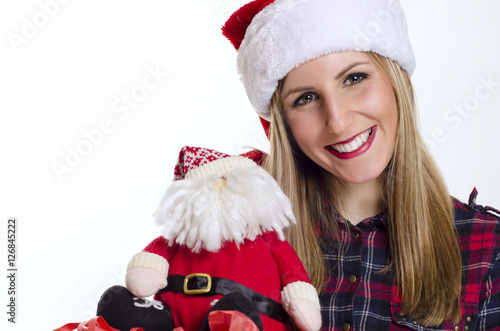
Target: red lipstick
x: 357, y: 152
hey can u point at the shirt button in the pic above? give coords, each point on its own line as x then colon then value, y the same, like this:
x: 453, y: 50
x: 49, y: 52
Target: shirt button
x: 469, y: 319
x: 352, y: 279
x: 457, y: 328
x: 346, y: 327
x: 355, y: 235
x: 466, y: 328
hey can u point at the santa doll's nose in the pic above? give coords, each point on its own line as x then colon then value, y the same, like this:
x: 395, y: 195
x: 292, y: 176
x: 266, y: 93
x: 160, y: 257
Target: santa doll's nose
x: 220, y: 184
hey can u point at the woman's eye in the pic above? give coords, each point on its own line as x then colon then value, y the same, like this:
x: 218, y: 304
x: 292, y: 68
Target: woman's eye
x: 304, y: 99
x: 353, y: 79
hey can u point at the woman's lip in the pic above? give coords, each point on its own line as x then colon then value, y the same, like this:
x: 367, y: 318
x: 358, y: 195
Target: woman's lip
x: 358, y: 151
x: 349, y: 140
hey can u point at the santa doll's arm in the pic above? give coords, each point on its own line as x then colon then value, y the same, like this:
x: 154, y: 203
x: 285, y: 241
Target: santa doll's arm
x: 147, y: 271
x: 298, y: 297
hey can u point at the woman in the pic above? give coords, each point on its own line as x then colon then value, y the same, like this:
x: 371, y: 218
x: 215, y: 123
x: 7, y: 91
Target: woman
x: 378, y: 233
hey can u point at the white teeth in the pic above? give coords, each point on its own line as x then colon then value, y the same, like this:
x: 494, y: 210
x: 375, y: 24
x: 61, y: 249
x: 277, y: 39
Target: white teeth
x: 351, y: 146
x: 355, y: 144
x: 358, y: 141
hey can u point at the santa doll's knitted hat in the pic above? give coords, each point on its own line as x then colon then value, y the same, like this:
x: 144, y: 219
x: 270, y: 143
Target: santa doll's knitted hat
x: 216, y: 198
x: 199, y: 162
x: 275, y: 36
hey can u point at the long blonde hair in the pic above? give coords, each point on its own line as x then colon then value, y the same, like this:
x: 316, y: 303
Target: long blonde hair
x: 426, y: 259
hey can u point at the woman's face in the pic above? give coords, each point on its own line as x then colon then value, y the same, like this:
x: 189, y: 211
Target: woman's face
x: 343, y: 114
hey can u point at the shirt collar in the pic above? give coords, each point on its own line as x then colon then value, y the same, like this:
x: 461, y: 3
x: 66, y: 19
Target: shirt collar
x: 379, y: 220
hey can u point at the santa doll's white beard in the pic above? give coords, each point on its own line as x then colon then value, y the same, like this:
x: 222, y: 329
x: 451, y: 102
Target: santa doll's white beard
x: 205, y: 213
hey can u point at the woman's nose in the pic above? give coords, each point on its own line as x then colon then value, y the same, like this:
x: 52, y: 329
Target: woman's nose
x: 338, y: 116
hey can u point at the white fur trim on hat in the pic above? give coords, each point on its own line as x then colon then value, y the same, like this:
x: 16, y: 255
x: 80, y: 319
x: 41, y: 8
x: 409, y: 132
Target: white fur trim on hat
x: 288, y: 33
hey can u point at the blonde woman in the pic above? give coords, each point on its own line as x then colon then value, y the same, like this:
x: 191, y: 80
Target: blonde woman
x: 378, y: 233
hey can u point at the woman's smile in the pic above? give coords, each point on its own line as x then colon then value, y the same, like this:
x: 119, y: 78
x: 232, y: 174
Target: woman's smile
x: 353, y: 146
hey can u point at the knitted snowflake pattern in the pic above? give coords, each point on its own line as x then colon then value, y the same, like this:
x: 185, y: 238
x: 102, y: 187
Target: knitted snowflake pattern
x: 194, y: 157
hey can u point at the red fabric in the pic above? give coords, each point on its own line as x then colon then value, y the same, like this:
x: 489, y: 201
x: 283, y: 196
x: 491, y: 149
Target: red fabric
x: 236, y: 26
x: 228, y: 320
x: 254, y: 155
x: 266, y: 125
x: 68, y: 327
x: 95, y: 324
x: 290, y: 267
x: 265, y: 265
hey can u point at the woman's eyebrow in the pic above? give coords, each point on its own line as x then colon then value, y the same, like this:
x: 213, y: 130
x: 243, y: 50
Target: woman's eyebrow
x: 297, y: 90
x: 346, y: 69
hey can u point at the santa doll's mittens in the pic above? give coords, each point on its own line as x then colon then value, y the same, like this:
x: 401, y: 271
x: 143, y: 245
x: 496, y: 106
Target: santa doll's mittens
x: 149, y: 260
x: 299, y: 290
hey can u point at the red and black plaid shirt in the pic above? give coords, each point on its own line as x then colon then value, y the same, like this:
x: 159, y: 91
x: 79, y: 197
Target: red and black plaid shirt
x: 359, y: 297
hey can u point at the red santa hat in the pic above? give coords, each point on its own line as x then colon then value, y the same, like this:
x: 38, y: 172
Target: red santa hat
x: 217, y: 198
x: 275, y: 36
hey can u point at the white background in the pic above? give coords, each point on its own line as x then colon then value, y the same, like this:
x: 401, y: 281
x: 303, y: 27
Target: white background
x: 77, y: 232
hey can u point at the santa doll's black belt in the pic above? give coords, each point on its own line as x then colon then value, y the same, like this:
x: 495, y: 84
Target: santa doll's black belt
x: 203, y: 284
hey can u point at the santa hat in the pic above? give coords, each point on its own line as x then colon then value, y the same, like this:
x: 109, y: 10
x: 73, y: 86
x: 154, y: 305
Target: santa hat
x: 275, y: 36
x: 216, y: 198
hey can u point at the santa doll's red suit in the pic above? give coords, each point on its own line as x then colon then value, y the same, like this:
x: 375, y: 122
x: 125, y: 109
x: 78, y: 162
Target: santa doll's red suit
x: 223, y: 217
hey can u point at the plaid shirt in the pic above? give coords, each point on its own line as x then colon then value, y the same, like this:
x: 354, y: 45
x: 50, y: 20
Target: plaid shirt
x: 358, y: 297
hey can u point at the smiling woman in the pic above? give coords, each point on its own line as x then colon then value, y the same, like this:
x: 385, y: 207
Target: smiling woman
x: 401, y: 176
x: 382, y: 240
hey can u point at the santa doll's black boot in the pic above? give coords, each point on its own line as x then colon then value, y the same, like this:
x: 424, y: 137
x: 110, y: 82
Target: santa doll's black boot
x: 234, y: 312
x: 123, y: 311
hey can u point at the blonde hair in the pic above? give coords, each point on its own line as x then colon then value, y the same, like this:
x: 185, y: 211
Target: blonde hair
x: 426, y: 258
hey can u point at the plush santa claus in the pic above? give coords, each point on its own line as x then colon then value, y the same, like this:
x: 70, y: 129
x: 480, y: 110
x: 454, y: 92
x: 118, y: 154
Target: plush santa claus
x: 222, y: 258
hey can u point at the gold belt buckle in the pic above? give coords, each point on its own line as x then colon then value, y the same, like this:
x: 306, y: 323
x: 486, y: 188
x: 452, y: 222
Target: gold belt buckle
x: 197, y: 291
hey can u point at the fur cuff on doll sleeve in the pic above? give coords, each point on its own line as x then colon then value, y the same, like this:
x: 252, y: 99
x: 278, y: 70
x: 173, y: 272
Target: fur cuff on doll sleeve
x: 149, y: 260
x: 299, y: 290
